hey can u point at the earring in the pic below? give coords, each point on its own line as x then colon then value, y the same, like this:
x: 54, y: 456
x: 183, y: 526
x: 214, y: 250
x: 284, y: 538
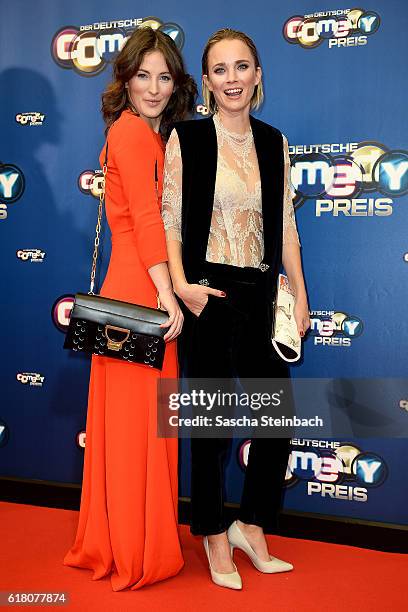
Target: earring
x: 126, y: 85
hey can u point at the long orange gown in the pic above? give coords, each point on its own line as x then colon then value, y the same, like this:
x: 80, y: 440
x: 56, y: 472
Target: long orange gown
x: 128, y: 516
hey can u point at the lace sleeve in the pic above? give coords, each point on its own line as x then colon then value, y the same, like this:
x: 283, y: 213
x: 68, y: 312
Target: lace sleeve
x: 290, y: 233
x: 172, y: 188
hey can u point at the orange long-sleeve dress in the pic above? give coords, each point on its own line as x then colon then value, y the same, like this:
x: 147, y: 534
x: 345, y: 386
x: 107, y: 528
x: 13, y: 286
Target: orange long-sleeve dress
x: 128, y: 516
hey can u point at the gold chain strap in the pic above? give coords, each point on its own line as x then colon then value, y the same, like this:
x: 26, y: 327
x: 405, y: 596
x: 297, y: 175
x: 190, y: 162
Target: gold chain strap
x: 98, y: 233
x: 98, y: 230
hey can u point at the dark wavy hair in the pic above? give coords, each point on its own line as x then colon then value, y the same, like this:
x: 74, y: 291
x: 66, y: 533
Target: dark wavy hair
x: 127, y: 63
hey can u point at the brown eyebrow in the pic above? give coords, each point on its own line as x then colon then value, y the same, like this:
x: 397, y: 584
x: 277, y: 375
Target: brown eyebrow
x: 237, y: 62
x: 147, y: 72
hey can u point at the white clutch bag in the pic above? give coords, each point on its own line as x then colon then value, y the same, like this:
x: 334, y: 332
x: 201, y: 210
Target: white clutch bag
x: 286, y: 339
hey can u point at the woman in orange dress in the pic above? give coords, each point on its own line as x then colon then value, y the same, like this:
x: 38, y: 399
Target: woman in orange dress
x: 128, y: 516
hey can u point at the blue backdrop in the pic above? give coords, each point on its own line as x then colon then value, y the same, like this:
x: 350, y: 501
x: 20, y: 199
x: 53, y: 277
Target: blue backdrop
x: 334, y: 79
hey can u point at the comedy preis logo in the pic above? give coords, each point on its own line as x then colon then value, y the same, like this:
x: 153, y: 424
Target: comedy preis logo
x: 89, y: 48
x: 340, y: 28
x: 32, y: 255
x: 334, y: 328
x: 32, y: 379
x: 335, y: 470
x: 343, y: 178
x: 30, y: 119
x: 330, y: 469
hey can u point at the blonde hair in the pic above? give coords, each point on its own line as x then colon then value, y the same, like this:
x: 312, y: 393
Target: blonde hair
x: 229, y: 34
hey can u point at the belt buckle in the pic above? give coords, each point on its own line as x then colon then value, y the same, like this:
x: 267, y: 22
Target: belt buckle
x: 204, y: 282
x: 263, y: 267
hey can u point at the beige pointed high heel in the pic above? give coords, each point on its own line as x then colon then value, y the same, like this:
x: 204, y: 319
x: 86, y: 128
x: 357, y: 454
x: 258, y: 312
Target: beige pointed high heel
x: 231, y: 581
x: 237, y: 540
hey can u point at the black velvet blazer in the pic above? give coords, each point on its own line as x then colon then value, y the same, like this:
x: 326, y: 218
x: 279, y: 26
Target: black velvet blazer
x: 198, y: 144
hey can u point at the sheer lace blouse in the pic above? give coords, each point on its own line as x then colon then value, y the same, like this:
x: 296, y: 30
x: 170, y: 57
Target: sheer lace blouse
x: 236, y: 232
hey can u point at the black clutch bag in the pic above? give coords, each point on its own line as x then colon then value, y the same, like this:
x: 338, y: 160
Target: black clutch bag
x: 117, y: 329
x: 102, y: 326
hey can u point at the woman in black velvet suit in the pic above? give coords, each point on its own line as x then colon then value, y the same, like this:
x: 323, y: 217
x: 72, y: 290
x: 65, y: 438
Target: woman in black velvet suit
x: 229, y: 220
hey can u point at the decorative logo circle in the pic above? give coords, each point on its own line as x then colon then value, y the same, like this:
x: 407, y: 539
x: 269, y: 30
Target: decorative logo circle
x: 369, y: 22
x: 91, y: 182
x: 391, y: 173
x: 370, y: 469
x: 352, y: 327
x: 242, y: 453
x: 61, y: 46
x: 201, y: 109
x: 4, y: 433
x: 80, y: 439
x: 61, y: 311
x: 12, y: 183
x: 347, y: 453
x: 312, y: 174
x: 175, y: 32
x: 365, y: 156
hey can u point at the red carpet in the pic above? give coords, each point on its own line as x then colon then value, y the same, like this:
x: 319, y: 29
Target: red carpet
x: 327, y: 577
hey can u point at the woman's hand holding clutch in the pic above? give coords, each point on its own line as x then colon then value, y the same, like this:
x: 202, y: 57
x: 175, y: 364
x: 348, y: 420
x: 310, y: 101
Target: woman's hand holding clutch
x: 176, y: 318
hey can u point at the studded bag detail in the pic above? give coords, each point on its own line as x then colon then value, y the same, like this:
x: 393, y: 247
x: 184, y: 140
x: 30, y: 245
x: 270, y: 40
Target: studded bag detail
x: 112, y: 328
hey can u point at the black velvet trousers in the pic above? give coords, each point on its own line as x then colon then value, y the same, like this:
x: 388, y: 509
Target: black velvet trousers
x: 231, y: 338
